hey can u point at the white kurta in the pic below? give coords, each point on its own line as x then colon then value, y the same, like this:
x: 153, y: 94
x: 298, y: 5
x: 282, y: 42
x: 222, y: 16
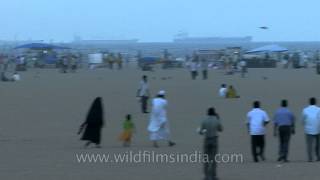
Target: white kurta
x: 158, y: 125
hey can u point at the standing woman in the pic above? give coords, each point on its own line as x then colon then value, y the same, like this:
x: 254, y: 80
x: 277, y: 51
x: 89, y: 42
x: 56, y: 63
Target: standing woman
x: 93, y: 124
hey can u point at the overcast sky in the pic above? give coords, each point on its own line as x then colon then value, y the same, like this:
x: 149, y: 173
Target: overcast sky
x: 159, y: 20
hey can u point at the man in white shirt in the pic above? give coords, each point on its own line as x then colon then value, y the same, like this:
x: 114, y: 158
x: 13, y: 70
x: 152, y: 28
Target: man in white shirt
x: 144, y: 94
x: 194, y: 69
x: 243, y: 66
x: 16, y: 77
x: 257, y: 119
x: 194, y: 66
x: 158, y: 125
x: 223, y: 91
x: 311, y: 122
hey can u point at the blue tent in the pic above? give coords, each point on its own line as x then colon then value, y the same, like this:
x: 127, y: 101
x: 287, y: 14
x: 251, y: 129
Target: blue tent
x: 149, y: 60
x: 267, y: 49
x: 50, y: 59
x: 40, y: 46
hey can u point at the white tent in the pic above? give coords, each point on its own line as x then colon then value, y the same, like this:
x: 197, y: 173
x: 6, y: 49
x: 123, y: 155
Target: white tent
x: 268, y: 48
x: 96, y: 58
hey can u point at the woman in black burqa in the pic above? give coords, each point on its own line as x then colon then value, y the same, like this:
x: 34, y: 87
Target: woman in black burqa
x: 93, y: 124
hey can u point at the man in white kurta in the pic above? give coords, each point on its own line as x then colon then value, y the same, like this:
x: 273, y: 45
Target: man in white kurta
x: 158, y: 125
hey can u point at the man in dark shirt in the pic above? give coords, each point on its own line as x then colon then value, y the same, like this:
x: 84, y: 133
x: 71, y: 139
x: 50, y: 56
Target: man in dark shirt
x: 284, y: 124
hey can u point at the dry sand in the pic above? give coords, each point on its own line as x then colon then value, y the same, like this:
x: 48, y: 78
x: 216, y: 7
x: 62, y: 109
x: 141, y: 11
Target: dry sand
x: 41, y: 115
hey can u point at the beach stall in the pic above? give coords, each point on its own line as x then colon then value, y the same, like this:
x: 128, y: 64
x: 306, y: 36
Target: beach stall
x: 46, y: 55
x: 147, y: 63
x: 95, y: 60
x: 263, y: 57
x: 212, y: 56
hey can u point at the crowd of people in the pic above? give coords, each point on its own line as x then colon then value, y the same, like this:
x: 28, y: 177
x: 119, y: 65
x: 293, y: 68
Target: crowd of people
x: 112, y: 59
x: 69, y: 63
x: 10, y: 76
x: 284, y: 127
x: 284, y: 120
x: 230, y: 64
x: 228, y: 92
x: 257, y: 120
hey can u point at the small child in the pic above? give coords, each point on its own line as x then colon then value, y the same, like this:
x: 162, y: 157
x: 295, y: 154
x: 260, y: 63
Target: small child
x: 128, y: 130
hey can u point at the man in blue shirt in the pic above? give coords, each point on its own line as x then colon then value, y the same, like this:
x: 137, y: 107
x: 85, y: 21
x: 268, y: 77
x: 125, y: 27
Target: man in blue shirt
x: 284, y: 124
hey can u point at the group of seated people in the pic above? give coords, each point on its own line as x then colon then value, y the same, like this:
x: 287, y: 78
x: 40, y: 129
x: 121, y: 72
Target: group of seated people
x: 228, y: 92
x: 15, y: 77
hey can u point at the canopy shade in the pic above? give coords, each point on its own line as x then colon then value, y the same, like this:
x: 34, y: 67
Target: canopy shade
x: 149, y: 59
x: 268, y: 48
x: 40, y: 46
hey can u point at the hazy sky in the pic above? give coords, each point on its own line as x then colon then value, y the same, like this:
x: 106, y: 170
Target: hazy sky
x: 159, y: 20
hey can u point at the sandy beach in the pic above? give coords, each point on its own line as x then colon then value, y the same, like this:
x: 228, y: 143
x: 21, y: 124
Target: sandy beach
x: 41, y: 114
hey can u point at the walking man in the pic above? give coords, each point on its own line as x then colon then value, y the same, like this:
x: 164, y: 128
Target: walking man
x: 257, y: 119
x: 194, y: 66
x: 194, y: 69
x: 311, y: 122
x: 284, y: 123
x: 204, y: 68
x: 159, y: 125
x: 243, y: 66
x: 143, y: 93
x: 210, y: 128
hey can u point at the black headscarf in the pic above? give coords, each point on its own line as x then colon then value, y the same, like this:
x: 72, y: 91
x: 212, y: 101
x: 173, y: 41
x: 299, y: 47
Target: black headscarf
x: 95, y: 115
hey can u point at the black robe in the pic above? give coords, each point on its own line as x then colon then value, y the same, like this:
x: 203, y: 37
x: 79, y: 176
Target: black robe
x: 94, y: 122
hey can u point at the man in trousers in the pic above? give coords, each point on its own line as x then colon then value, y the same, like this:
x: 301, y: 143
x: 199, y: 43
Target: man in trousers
x: 257, y: 119
x: 209, y: 128
x: 311, y: 122
x: 144, y: 94
x: 284, y: 126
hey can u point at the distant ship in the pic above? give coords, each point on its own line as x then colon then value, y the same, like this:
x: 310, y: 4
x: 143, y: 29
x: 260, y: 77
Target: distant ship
x: 184, y: 38
x: 104, y: 42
